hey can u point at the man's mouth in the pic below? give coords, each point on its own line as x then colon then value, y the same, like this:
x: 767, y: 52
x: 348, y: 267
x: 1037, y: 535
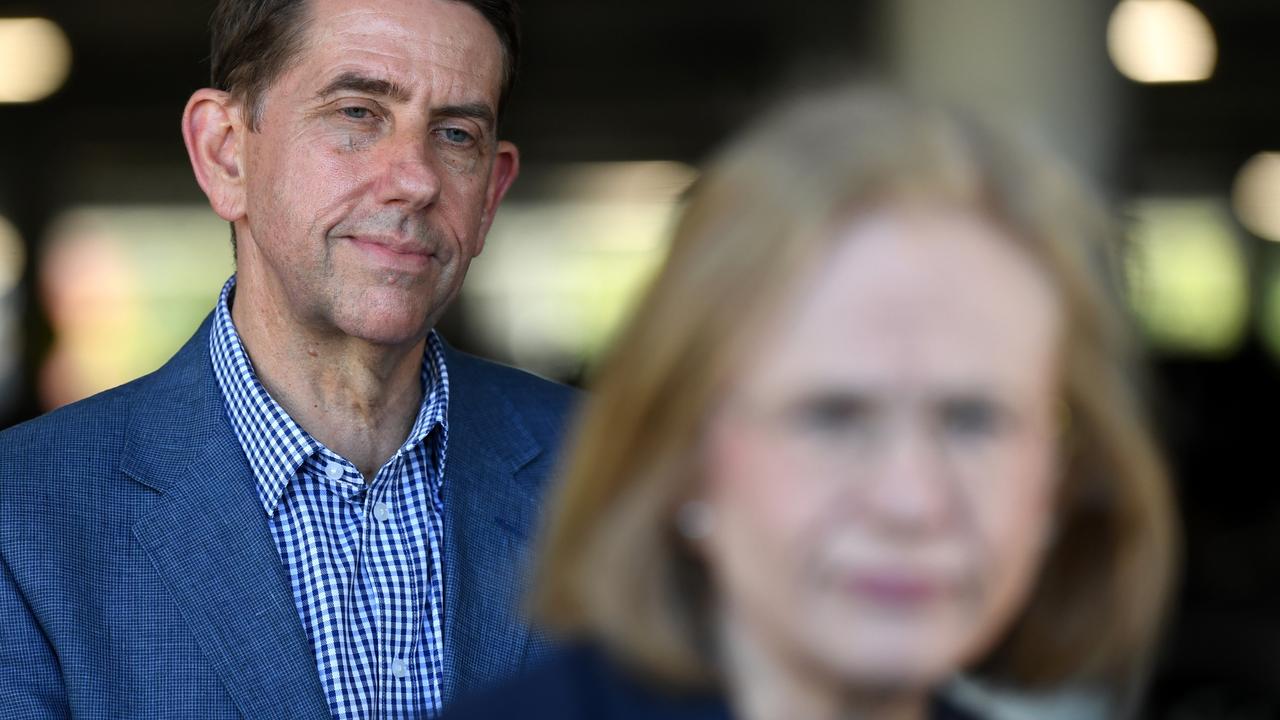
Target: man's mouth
x: 392, y: 252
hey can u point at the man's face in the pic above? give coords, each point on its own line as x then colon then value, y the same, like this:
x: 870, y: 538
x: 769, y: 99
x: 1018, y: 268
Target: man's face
x: 371, y: 181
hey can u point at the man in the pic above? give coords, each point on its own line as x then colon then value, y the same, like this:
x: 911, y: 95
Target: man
x: 316, y: 507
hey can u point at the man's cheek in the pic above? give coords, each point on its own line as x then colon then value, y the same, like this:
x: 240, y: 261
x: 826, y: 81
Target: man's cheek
x: 466, y: 165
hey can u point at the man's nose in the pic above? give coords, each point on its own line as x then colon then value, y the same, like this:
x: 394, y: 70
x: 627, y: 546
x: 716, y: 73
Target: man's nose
x: 411, y: 176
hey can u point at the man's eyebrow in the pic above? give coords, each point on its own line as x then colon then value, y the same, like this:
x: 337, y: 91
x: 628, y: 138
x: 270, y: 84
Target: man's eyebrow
x: 355, y: 82
x: 475, y: 110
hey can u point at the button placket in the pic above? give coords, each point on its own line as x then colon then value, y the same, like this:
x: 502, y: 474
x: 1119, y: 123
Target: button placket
x: 333, y: 470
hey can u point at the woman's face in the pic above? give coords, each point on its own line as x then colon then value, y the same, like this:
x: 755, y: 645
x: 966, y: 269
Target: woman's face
x: 881, y: 475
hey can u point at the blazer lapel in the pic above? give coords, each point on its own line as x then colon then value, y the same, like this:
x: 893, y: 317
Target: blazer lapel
x: 209, y: 541
x: 490, y: 514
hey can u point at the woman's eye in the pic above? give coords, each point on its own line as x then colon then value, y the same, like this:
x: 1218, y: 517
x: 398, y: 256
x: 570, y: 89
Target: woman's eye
x: 355, y: 112
x: 972, y: 418
x: 832, y: 414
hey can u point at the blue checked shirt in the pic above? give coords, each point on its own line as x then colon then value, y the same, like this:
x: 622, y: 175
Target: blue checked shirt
x: 363, y: 559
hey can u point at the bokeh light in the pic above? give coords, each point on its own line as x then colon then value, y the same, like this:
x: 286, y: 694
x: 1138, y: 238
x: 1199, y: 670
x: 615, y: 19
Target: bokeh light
x: 1161, y: 41
x: 35, y: 59
x: 1188, y: 275
x: 1269, y: 312
x: 13, y: 257
x: 559, y: 272
x: 1256, y: 195
x: 12, y: 262
x: 124, y: 287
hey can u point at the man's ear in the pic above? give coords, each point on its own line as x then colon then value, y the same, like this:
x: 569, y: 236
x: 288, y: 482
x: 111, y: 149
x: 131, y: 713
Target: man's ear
x: 213, y: 127
x: 506, y: 166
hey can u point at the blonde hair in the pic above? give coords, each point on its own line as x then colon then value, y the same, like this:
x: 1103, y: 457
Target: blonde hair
x: 612, y: 567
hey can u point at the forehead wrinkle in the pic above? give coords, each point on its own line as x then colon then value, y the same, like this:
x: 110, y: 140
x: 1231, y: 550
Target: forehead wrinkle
x: 458, y: 45
x: 397, y: 71
x: 430, y: 47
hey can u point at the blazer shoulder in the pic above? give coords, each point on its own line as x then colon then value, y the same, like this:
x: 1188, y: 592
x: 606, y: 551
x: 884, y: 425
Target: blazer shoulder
x: 63, y: 467
x: 85, y: 436
x: 84, y: 428
x: 528, y: 393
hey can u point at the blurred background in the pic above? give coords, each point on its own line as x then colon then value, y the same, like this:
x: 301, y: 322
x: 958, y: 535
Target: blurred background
x: 110, y: 256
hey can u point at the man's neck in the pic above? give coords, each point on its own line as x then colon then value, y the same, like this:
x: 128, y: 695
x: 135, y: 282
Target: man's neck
x: 357, y: 398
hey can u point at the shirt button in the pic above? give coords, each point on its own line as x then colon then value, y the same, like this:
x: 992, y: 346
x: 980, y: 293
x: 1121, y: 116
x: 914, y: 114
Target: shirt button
x: 381, y: 511
x: 399, y: 669
x: 333, y: 470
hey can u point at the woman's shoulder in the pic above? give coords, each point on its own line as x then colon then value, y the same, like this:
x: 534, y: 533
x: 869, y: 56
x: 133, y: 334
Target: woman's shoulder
x: 545, y: 691
x: 943, y: 709
x: 581, y: 682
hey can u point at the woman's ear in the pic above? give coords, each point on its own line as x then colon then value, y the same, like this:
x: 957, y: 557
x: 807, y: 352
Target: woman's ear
x: 695, y: 520
x: 213, y: 127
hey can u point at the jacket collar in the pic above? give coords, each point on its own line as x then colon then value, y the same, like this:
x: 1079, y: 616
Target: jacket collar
x: 490, y: 514
x: 210, y: 542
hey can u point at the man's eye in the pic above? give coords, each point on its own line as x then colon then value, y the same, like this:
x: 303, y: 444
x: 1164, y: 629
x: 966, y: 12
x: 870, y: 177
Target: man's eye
x: 457, y: 136
x: 355, y: 112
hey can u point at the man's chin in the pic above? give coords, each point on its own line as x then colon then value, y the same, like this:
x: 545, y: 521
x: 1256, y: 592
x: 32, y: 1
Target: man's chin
x: 390, y: 335
x: 387, y: 328
x: 387, y: 315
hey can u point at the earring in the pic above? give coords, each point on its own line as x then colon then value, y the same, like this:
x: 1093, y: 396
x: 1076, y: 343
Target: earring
x: 695, y: 520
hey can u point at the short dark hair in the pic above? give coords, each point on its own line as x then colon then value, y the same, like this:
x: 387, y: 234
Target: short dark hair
x: 254, y: 39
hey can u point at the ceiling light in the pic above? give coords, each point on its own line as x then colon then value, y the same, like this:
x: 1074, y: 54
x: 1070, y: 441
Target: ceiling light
x: 1256, y: 195
x: 35, y: 58
x: 1161, y: 41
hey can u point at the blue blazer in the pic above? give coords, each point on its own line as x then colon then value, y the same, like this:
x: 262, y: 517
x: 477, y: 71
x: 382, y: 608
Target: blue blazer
x: 139, y: 578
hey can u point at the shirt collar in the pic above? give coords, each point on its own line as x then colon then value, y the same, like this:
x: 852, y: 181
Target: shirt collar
x: 274, y: 444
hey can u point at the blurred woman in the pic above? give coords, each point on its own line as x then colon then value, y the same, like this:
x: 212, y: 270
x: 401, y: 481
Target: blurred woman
x: 873, y: 427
